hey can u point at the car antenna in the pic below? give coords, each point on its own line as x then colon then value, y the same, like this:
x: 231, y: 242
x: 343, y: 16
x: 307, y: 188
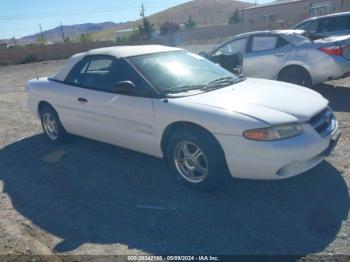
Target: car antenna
x: 36, y: 71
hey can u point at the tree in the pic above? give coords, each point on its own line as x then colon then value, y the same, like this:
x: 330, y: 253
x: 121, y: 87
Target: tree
x: 146, y: 29
x: 168, y: 28
x: 190, y: 23
x: 40, y: 40
x: 234, y: 18
x: 84, y: 38
x: 67, y: 39
x: 13, y: 41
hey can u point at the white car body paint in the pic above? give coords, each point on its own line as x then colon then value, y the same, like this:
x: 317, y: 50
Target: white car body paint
x: 138, y: 123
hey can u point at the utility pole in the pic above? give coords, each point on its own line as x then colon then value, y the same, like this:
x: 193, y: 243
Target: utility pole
x: 41, y: 32
x: 142, y: 12
x: 256, y: 2
x: 63, y: 38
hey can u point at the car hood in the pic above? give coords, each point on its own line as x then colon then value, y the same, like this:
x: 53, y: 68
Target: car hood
x: 270, y: 101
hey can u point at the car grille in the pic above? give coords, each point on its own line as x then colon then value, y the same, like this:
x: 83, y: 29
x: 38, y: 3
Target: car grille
x: 324, y: 122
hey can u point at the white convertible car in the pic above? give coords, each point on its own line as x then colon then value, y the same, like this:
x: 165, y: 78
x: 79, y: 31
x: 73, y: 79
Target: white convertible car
x: 204, y: 120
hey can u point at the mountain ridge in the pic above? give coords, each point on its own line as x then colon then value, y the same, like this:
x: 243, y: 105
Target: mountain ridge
x: 203, y: 12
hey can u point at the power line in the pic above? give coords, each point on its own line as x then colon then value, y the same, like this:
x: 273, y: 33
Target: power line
x: 71, y: 13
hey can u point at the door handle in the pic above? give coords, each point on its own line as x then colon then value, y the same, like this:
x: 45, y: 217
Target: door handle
x: 279, y: 54
x: 82, y: 100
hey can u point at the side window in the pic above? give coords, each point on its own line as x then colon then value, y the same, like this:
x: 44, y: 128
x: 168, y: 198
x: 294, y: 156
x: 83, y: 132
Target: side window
x: 122, y: 71
x: 263, y: 43
x: 232, y: 48
x: 342, y: 23
x: 310, y: 26
x: 101, y: 73
x: 326, y: 25
x: 281, y: 42
x: 75, y: 76
x: 99, y: 65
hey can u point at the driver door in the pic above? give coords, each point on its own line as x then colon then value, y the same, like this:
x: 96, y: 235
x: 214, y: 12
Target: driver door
x: 230, y: 55
x: 120, y: 119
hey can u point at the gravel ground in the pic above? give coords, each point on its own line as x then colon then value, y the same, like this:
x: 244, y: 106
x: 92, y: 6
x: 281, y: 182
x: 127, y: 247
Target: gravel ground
x: 91, y: 198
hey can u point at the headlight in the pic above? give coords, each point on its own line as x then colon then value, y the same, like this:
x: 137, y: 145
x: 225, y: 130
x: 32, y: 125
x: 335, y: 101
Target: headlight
x: 274, y: 133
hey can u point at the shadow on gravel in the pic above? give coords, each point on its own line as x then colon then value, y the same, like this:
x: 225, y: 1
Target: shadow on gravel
x: 97, y: 193
x: 339, y: 97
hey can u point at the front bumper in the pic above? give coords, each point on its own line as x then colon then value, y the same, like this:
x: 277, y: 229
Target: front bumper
x: 277, y: 159
x: 302, y: 166
x: 334, y: 141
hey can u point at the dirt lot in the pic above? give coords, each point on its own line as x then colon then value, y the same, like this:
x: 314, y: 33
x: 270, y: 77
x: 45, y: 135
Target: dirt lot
x: 91, y: 198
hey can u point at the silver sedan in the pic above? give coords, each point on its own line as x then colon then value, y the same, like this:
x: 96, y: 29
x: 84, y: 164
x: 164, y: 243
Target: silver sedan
x: 285, y: 55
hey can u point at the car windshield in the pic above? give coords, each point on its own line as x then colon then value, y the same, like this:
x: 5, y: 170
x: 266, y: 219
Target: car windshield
x: 178, y: 72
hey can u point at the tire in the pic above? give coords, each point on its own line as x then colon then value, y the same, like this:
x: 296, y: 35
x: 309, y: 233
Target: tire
x: 205, y: 161
x: 52, y: 125
x: 295, y: 75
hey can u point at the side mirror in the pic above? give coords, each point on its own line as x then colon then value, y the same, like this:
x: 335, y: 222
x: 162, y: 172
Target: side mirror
x: 127, y: 88
x: 204, y: 54
x: 237, y: 70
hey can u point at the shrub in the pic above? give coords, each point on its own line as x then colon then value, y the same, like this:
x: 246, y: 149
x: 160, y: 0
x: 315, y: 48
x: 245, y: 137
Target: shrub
x: 29, y: 59
x: 168, y: 28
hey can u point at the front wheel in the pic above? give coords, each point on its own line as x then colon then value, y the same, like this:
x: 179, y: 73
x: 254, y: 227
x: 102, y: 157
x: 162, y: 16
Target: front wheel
x: 197, y: 160
x: 52, y: 125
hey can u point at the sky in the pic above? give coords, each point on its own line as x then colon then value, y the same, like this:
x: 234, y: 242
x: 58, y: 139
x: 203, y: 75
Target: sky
x: 19, y: 18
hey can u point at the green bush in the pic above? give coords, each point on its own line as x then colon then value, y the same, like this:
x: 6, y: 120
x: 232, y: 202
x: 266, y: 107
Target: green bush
x: 29, y: 59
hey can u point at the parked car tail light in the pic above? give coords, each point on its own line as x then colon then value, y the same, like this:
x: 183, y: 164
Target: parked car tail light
x: 274, y: 133
x: 333, y: 50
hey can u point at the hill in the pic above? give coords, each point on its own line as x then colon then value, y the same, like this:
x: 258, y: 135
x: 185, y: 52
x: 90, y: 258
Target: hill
x: 203, y: 12
x: 71, y: 31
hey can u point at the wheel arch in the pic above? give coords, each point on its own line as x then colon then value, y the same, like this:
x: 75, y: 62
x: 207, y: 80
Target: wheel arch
x: 41, y: 105
x: 44, y: 103
x: 294, y: 66
x: 173, y: 127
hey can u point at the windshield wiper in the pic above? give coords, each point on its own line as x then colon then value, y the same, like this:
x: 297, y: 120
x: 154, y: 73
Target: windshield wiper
x: 223, y: 81
x: 216, y: 83
x: 183, y: 88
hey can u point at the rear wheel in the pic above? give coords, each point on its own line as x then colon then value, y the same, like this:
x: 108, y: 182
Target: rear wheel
x: 51, y: 124
x: 197, y: 160
x: 295, y: 75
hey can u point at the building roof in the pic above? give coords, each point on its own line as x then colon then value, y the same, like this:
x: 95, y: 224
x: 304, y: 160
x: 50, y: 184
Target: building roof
x: 322, y: 16
x: 125, y: 30
x: 117, y: 51
x: 277, y: 2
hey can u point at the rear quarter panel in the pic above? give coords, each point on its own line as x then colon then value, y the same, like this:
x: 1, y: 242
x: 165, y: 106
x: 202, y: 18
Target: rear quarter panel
x: 60, y: 96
